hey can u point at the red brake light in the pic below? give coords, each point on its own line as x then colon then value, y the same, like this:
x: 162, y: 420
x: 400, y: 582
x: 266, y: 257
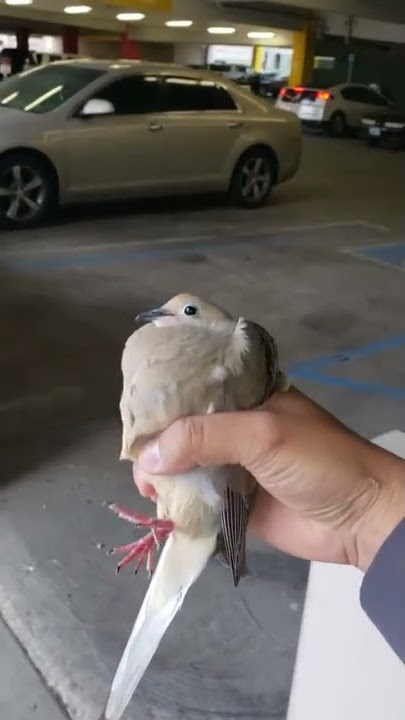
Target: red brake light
x: 282, y: 92
x: 324, y: 95
x: 298, y: 89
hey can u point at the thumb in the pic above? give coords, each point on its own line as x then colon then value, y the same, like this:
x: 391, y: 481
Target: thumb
x: 221, y: 439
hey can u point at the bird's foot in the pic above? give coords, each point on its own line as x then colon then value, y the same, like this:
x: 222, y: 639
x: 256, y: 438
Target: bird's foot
x: 143, y: 550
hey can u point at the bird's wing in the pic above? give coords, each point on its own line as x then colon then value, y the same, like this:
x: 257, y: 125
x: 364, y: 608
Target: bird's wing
x: 259, y: 373
x: 257, y: 380
x: 238, y: 499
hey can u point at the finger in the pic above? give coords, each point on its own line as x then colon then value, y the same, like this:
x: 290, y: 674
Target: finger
x: 222, y: 439
x: 142, y: 481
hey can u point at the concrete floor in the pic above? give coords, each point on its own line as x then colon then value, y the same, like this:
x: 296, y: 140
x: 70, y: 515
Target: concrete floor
x: 69, y: 296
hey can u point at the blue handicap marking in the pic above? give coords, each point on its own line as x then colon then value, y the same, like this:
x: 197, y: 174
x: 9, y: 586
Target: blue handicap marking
x: 392, y: 254
x: 315, y: 369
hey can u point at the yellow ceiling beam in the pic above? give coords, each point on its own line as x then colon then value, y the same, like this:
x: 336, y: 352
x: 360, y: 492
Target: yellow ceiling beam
x: 140, y: 5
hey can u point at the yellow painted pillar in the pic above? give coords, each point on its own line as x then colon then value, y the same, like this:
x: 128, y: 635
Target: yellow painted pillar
x: 258, y: 56
x: 303, y: 54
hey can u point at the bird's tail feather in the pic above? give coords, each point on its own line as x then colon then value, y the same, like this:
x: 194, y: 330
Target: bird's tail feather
x: 182, y: 560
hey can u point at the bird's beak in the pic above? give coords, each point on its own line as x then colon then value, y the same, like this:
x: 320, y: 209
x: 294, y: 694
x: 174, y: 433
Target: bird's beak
x: 150, y: 315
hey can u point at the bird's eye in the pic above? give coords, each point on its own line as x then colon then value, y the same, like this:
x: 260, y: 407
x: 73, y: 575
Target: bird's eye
x: 190, y: 310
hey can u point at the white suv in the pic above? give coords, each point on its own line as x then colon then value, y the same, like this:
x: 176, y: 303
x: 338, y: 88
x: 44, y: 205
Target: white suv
x: 336, y: 109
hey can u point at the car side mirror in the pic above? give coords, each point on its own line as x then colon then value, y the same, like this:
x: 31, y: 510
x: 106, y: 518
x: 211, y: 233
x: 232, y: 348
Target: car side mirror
x: 97, y: 106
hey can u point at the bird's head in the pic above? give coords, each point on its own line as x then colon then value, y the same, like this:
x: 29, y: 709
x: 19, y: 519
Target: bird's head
x: 184, y: 308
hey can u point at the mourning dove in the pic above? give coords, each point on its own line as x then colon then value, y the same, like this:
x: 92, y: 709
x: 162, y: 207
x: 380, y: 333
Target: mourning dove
x: 188, y: 358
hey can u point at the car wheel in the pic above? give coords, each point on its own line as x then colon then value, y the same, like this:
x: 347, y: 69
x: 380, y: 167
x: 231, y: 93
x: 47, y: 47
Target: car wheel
x: 253, y: 179
x: 28, y: 190
x: 337, y: 125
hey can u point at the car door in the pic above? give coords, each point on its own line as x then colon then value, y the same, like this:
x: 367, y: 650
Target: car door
x: 202, y: 126
x: 117, y: 153
x: 373, y: 101
x: 358, y: 100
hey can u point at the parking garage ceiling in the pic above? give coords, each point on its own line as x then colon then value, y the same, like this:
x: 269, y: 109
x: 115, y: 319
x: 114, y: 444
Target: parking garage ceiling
x: 243, y: 15
x: 202, y: 13
x: 384, y: 10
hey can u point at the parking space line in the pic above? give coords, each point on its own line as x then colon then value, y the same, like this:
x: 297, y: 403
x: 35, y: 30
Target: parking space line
x: 391, y: 255
x: 348, y: 384
x: 64, y: 392
x: 166, y: 249
x: 313, y: 369
x: 258, y: 229
x: 106, y: 246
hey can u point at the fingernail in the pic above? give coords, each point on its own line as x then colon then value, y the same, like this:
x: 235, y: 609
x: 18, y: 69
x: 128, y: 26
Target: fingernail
x: 149, y: 459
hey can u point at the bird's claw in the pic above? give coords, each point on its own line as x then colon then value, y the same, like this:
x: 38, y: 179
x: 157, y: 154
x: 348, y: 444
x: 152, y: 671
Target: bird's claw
x: 142, y: 550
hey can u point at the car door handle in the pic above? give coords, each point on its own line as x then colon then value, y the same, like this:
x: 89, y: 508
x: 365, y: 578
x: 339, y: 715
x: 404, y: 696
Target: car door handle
x: 155, y: 127
x: 235, y: 124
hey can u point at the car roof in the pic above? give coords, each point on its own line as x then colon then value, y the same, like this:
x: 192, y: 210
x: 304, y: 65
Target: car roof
x: 118, y: 66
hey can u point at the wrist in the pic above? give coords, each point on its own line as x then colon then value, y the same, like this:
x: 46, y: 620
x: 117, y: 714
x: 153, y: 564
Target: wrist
x: 382, y: 509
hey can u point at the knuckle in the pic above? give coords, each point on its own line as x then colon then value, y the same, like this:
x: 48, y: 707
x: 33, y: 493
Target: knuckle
x: 193, y: 433
x: 265, y: 430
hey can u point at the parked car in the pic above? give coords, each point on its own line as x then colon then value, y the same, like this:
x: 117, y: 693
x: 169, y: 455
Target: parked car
x: 88, y: 130
x: 335, y: 109
x: 264, y: 84
x: 386, y: 129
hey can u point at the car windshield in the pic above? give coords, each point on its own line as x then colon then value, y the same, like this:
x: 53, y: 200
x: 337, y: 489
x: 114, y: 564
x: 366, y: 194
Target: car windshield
x: 47, y: 88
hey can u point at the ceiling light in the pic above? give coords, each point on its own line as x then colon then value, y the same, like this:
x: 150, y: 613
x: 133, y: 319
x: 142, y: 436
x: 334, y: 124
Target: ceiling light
x: 261, y: 35
x: 18, y: 2
x: 179, y: 23
x: 130, y: 16
x: 221, y: 30
x: 77, y: 9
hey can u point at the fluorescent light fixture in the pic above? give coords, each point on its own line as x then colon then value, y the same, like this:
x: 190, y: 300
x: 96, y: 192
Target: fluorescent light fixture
x: 19, y: 2
x: 179, y: 23
x: 130, y: 16
x: 221, y: 30
x: 43, y: 97
x: 9, y: 98
x: 77, y: 9
x: 261, y: 35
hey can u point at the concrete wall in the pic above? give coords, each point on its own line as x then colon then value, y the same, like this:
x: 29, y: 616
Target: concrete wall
x: 99, y: 48
x: 187, y: 54
x: 337, y: 24
x: 379, y: 63
x: 158, y: 52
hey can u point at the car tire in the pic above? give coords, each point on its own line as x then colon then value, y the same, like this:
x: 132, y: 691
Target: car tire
x: 28, y: 190
x: 337, y: 126
x: 253, y: 178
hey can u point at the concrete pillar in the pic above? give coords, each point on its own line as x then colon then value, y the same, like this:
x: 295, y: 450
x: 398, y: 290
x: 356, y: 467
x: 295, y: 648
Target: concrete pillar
x: 70, y: 40
x: 22, y: 36
x: 303, y: 54
x: 258, y: 57
x: 129, y: 48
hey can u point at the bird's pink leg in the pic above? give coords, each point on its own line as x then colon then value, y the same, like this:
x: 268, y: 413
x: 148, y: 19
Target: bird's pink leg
x: 142, y: 550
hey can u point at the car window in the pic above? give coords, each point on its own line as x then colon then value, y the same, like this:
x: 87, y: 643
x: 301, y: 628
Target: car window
x: 371, y: 97
x: 184, y: 94
x: 134, y: 94
x: 46, y: 88
x: 363, y: 95
x: 351, y: 93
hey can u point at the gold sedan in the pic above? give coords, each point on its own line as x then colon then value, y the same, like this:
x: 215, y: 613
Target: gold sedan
x: 90, y: 130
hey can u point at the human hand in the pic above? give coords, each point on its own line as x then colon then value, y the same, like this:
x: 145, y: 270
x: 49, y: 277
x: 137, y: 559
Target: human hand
x: 325, y: 493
